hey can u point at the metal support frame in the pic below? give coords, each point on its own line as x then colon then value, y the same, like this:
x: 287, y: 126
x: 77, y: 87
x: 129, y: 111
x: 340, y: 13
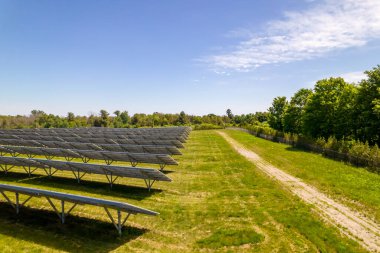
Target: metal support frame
x: 77, y: 174
x: 162, y: 166
x: 85, y: 159
x: 49, y: 157
x: 49, y: 171
x: 111, y: 179
x: 29, y: 170
x: 69, y: 159
x: 5, y: 168
x: 149, y: 183
x: 30, y: 156
x: 8, y: 200
x: 108, y: 161
x: 119, y: 223
x: 17, y: 205
x: 14, y: 154
x: 61, y: 213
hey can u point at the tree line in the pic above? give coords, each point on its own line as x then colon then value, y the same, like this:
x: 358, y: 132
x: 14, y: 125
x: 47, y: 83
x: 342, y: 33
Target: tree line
x: 333, y: 108
x: 119, y: 119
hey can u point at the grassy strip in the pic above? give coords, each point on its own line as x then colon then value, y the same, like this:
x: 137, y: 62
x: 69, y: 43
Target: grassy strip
x: 355, y: 186
x: 217, y: 202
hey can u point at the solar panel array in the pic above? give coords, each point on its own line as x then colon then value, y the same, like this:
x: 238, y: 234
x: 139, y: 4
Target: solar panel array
x: 90, y: 146
x: 95, y: 151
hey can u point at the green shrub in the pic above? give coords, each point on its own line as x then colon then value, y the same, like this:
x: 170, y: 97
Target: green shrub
x: 359, y: 153
x: 206, y: 126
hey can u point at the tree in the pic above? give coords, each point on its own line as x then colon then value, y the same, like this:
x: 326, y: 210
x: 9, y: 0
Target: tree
x: 292, y: 120
x: 183, y: 119
x: 229, y: 114
x: 344, y: 122
x: 117, y: 113
x: 37, y: 113
x: 276, y: 113
x: 322, y: 108
x: 70, y: 117
x: 125, y: 118
x: 104, y: 120
x: 261, y: 116
x: 367, y: 107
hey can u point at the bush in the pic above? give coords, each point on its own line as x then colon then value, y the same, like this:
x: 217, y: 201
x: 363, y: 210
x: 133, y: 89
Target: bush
x: 206, y: 126
x: 352, y: 151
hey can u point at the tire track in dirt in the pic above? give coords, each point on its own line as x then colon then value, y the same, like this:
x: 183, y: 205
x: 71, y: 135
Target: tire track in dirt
x: 353, y: 224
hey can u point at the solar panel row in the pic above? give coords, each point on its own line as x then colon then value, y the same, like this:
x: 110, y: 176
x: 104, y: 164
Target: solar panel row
x: 75, y: 200
x: 85, y: 135
x: 181, y: 132
x: 132, y: 148
x: 87, y: 155
x: 111, y: 172
x: 97, y: 140
x: 150, y: 145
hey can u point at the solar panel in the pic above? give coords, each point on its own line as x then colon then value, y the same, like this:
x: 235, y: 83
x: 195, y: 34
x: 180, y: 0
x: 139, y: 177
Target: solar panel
x: 148, y: 132
x: 75, y: 200
x: 103, y: 134
x: 86, y: 155
x: 175, y: 143
x: 110, y: 171
x: 132, y: 148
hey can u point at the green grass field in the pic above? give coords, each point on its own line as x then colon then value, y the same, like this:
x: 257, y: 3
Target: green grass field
x: 218, y: 202
x: 353, y: 186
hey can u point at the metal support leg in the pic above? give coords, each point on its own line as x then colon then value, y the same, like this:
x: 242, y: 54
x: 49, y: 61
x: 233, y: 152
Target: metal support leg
x: 149, y: 183
x: 62, y: 211
x: 5, y: 168
x: 54, y: 208
x: 61, y: 214
x: 77, y: 174
x: 8, y: 200
x: 108, y: 161
x: 72, y: 208
x: 69, y: 159
x: 25, y: 201
x: 49, y: 171
x: 28, y: 170
x: 14, y: 154
x: 85, y: 159
x: 17, y: 203
x: 49, y: 157
x: 119, y: 223
x: 110, y: 178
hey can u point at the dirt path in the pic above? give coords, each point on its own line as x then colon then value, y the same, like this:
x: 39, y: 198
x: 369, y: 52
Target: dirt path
x: 358, y: 227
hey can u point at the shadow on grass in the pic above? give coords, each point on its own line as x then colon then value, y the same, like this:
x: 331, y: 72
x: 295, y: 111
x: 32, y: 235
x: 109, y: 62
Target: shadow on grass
x: 300, y: 149
x: 118, y: 190
x: 78, y: 234
x: 167, y: 171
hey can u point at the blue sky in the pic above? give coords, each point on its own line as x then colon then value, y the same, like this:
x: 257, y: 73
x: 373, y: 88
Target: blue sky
x: 167, y: 56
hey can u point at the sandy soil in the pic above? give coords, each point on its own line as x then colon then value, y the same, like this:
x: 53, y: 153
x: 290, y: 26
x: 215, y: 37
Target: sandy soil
x: 353, y: 224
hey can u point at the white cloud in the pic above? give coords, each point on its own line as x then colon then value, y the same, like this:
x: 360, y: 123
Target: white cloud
x: 354, y: 77
x: 325, y: 27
